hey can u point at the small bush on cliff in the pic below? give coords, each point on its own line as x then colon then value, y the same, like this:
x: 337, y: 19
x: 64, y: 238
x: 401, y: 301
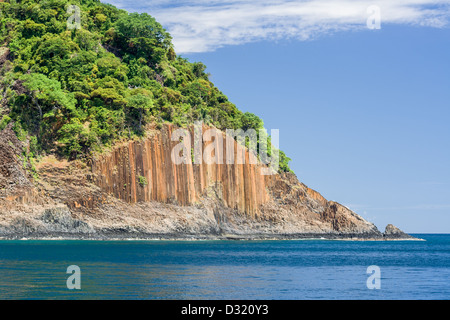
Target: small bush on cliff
x: 142, y: 181
x: 4, y: 122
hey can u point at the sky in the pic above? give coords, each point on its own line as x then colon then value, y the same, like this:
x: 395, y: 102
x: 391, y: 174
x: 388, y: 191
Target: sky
x: 363, y: 109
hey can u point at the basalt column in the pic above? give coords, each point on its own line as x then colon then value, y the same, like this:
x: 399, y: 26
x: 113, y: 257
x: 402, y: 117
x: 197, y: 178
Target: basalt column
x: 141, y: 171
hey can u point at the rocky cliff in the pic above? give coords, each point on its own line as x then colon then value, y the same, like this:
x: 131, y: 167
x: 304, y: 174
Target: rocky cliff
x: 136, y: 191
x: 243, y: 186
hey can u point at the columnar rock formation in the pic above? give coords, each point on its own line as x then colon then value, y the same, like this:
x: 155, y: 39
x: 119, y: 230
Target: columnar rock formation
x: 141, y: 171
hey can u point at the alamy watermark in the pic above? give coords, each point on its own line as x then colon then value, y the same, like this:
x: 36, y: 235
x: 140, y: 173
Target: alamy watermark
x: 374, y: 20
x: 374, y: 280
x: 237, y: 147
x: 74, y: 21
x: 74, y: 281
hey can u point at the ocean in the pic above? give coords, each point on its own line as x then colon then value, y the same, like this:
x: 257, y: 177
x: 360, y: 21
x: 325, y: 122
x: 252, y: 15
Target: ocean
x: 266, y: 270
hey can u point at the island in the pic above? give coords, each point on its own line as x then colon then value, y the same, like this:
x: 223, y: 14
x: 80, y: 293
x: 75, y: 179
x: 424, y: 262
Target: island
x: 96, y: 111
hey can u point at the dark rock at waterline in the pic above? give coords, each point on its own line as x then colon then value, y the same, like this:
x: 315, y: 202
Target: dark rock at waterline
x: 392, y: 232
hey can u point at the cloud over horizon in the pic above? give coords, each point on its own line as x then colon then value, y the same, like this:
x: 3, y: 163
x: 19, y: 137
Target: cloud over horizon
x: 202, y: 26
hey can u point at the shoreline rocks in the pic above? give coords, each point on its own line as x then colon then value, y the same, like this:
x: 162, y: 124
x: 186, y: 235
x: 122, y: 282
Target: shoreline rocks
x: 58, y: 224
x: 392, y: 232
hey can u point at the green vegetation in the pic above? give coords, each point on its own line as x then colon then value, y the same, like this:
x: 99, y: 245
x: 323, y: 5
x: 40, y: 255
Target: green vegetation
x: 79, y: 90
x: 4, y: 122
x: 142, y: 181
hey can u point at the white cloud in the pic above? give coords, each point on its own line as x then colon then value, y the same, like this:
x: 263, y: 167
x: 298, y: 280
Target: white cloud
x: 200, y: 25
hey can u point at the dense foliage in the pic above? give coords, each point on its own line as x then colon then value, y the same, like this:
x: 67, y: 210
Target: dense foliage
x: 78, y: 90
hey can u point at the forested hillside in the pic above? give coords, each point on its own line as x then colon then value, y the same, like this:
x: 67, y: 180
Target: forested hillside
x: 74, y: 91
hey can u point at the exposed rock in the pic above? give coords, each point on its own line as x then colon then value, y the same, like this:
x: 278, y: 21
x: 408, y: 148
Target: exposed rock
x: 52, y: 223
x: 243, y: 187
x: 15, y: 185
x: 60, y: 220
x: 4, y: 54
x: 392, y: 232
x: 107, y: 200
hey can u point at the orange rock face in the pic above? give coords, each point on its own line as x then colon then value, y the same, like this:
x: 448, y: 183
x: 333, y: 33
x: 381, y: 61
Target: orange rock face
x: 142, y: 171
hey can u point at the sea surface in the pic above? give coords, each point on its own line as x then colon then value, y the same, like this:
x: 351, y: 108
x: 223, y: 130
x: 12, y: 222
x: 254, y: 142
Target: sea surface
x: 281, y: 270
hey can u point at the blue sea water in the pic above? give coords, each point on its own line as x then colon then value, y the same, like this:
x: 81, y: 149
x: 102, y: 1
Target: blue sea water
x: 307, y: 269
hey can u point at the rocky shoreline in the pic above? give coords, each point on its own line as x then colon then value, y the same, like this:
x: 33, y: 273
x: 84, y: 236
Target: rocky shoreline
x: 117, y: 236
x: 58, y: 224
x: 71, y: 200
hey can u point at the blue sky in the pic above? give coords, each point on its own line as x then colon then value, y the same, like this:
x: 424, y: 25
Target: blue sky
x: 364, y: 114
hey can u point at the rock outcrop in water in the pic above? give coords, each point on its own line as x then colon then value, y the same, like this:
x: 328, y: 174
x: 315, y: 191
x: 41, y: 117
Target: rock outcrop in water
x: 392, y: 232
x: 135, y: 191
